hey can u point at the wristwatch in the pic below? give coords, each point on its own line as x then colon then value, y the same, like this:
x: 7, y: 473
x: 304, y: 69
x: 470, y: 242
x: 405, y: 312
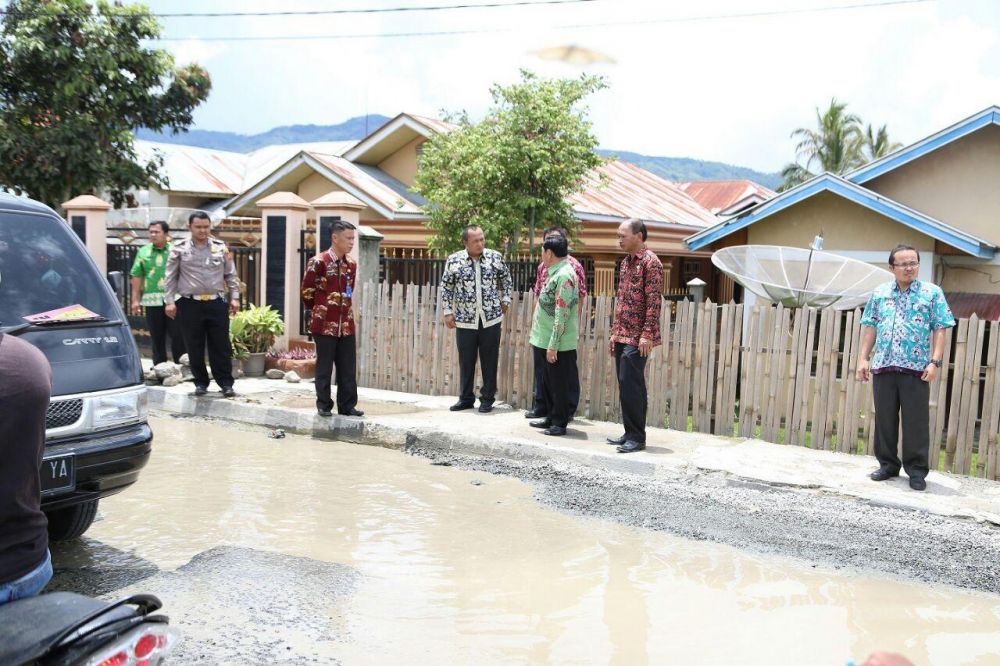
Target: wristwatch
x: 936, y: 362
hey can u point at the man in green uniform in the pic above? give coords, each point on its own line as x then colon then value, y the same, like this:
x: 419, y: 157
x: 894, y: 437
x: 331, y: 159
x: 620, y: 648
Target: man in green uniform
x: 148, y: 273
x: 555, y: 329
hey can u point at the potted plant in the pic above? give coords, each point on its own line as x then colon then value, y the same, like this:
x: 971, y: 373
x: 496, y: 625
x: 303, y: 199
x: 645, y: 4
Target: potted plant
x: 254, y: 330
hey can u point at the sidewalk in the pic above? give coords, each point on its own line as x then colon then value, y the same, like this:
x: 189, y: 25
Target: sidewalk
x: 399, y: 420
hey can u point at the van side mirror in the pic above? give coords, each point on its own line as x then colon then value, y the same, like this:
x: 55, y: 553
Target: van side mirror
x: 117, y: 282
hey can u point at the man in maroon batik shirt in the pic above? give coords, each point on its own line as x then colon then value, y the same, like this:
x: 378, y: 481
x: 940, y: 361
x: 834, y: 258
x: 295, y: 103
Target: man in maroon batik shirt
x: 540, y: 409
x: 635, y: 329
x: 327, y: 292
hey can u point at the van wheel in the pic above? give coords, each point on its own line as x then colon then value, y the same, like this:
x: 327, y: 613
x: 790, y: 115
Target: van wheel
x: 71, y: 522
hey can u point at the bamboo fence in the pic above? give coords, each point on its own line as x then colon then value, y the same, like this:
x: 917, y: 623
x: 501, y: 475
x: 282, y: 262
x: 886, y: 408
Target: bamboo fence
x: 781, y: 375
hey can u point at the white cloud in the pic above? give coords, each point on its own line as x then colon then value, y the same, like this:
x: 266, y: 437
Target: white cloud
x: 195, y: 51
x: 728, y: 90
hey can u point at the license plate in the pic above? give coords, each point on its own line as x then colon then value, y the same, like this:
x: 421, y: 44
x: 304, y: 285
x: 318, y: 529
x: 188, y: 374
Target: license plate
x: 58, y: 474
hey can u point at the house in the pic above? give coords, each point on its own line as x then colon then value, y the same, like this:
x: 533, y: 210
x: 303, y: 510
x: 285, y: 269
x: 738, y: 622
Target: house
x: 939, y: 195
x: 725, y: 198
x: 379, y: 169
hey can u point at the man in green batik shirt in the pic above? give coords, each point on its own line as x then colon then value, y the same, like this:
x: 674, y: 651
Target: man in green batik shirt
x: 555, y: 332
x: 148, y: 273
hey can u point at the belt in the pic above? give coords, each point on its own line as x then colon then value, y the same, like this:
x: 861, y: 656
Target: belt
x: 201, y: 297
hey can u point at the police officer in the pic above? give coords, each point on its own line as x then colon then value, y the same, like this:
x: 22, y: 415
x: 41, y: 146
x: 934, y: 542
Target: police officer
x: 200, y: 270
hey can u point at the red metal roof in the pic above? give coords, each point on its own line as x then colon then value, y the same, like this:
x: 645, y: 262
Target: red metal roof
x: 965, y: 304
x: 436, y: 124
x: 364, y: 182
x: 630, y: 191
x: 716, y: 195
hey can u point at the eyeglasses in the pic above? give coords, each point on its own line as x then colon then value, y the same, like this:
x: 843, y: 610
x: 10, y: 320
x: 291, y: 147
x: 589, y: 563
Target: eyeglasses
x: 909, y: 264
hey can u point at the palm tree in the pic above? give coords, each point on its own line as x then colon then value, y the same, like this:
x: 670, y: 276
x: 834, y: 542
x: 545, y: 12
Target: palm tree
x: 877, y: 143
x: 836, y: 145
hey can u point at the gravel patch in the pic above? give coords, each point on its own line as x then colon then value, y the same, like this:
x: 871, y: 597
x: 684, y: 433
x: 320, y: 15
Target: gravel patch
x: 817, y: 527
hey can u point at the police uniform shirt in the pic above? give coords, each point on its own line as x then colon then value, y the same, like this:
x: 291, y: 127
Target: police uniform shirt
x: 200, y: 270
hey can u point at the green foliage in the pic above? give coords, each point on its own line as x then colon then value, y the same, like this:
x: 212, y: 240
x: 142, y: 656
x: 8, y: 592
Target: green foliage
x: 877, y: 143
x: 838, y: 145
x: 252, y: 331
x: 76, y: 81
x: 511, y: 173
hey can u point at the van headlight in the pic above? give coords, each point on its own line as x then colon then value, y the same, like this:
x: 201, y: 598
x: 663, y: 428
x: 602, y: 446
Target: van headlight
x: 119, y: 408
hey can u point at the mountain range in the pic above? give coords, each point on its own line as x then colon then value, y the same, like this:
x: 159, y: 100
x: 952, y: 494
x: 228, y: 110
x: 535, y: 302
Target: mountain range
x: 675, y: 169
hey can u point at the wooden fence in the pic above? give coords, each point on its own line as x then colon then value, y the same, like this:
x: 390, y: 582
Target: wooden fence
x: 789, y: 379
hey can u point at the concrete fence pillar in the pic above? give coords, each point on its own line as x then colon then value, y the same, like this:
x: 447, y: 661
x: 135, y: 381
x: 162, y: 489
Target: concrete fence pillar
x: 283, y: 217
x: 88, y: 215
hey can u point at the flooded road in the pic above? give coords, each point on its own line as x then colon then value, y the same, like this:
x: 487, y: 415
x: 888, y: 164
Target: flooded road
x: 396, y: 560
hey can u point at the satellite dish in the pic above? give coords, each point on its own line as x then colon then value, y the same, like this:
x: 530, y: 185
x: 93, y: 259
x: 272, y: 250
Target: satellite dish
x: 797, y: 277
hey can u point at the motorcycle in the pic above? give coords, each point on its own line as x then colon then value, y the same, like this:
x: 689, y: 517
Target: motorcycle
x: 68, y: 629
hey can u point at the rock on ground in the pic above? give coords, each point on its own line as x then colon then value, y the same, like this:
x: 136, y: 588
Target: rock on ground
x: 292, y: 377
x: 275, y: 373
x: 172, y: 380
x: 167, y: 369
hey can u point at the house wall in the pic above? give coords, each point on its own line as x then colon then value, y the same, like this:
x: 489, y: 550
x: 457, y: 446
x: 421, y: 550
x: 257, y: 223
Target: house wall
x: 969, y: 274
x: 314, y: 186
x: 402, y: 164
x: 957, y: 183
x: 845, y: 226
x: 182, y: 201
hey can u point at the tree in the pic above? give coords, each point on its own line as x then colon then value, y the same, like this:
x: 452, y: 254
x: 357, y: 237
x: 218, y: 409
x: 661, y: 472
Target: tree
x: 877, y: 143
x: 511, y: 173
x: 838, y: 145
x: 75, y: 82
x: 835, y: 145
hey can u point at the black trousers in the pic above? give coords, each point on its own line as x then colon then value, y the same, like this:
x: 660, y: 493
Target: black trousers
x: 484, y: 342
x: 541, y: 404
x: 631, y: 366
x: 557, y: 383
x: 897, y: 392
x: 204, y: 322
x: 341, y: 352
x: 160, y: 326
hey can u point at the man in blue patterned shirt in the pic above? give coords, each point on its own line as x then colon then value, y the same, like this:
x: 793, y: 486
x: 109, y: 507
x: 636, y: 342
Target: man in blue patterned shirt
x: 475, y: 295
x: 905, y: 321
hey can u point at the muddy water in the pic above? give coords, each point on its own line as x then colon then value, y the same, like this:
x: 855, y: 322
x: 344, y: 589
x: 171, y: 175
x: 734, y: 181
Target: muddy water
x: 461, y: 567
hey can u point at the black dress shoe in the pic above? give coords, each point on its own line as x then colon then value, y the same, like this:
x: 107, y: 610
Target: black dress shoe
x: 917, y: 483
x: 485, y: 407
x: 352, y: 412
x: 200, y: 390
x: 554, y: 431
x: 882, y: 474
x: 616, y: 441
x: 324, y: 412
x: 631, y: 447
x: 228, y: 392
x: 459, y: 406
x: 534, y: 414
x: 541, y: 423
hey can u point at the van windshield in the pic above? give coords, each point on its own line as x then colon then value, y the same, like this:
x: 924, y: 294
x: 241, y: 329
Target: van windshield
x: 42, y: 268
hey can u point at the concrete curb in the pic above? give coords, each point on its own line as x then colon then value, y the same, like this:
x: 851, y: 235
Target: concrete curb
x: 693, y: 457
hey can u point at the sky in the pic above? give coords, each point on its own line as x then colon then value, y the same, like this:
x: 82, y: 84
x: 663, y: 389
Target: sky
x: 722, y: 80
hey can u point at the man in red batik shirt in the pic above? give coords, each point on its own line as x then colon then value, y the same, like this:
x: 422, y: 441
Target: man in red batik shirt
x: 327, y: 292
x: 635, y: 329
